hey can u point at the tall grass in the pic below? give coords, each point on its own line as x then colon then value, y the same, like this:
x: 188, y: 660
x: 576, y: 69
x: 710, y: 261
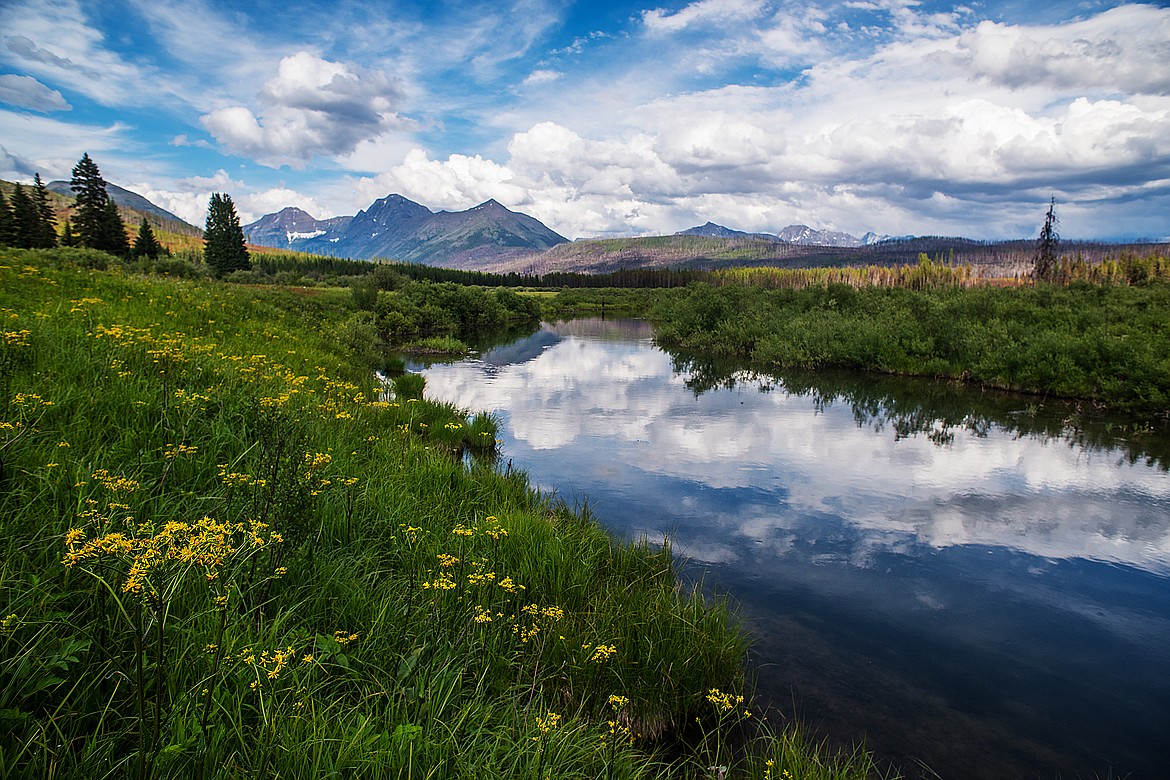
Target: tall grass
x: 227, y: 551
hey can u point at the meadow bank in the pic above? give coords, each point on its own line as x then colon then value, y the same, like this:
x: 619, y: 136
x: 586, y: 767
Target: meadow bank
x: 229, y: 551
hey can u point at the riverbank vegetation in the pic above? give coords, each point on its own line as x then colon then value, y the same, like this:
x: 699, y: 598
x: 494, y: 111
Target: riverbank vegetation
x: 1103, y: 343
x: 229, y: 551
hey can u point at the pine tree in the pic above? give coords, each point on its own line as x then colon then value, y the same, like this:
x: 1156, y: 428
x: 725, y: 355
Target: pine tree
x: 145, y: 244
x: 97, y: 222
x: 112, y: 237
x: 68, y: 237
x: 24, y: 218
x: 45, y: 230
x: 1045, y: 261
x: 90, y: 188
x: 7, y: 223
x: 223, y: 238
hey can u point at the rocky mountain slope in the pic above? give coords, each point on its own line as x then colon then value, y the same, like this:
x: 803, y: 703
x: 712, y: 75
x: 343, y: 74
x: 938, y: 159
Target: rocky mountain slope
x: 397, y: 228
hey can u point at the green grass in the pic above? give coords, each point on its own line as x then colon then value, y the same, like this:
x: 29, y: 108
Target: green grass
x: 227, y: 552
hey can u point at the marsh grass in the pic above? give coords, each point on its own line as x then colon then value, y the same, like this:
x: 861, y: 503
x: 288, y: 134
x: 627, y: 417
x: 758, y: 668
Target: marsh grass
x: 226, y: 553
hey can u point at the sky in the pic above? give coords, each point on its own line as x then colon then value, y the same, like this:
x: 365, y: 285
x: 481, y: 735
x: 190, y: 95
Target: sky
x: 610, y: 117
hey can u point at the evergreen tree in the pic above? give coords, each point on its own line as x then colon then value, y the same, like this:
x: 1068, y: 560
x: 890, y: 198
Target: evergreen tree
x: 145, y: 244
x: 68, y: 237
x: 112, y: 237
x: 45, y: 230
x: 89, y: 186
x: 223, y: 238
x: 24, y: 218
x: 1045, y: 261
x: 7, y: 223
x: 97, y: 222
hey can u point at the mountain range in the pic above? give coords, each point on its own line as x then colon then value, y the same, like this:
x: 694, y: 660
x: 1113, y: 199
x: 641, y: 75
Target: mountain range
x: 490, y: 237
x: 801, y: 235
x: 397, y: 228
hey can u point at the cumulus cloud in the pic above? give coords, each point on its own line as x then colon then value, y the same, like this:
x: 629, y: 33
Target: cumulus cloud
x: 312, y: 107
x: 926, y: 130
x: 1122, y: 50
x: 27, y: 92
x: 188, y: 198
x: 455, y: 183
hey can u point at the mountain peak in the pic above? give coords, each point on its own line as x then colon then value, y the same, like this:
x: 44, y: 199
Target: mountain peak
x: 398, y: 228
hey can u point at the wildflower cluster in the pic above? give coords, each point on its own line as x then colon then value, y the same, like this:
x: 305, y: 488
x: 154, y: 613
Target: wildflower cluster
x: 617, y: 730
x: 15, y: 339
x: 601, y: 653
x: 114, y: 483
x: 723, y: 702
x: 533, y: 618
x: 234, y: 479
x: 546, y: 724
x: 151, y: 556
x: 491, y: 528
x: 173, y: 451
x: 442, y: 582
x: 265, y: 667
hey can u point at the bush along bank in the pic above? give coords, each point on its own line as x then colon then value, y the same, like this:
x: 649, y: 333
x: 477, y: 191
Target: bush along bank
x: 1106, y: 344
x: 227, y: 552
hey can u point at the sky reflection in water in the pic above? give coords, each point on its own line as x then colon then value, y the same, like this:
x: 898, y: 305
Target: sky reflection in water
x: 996, y: 604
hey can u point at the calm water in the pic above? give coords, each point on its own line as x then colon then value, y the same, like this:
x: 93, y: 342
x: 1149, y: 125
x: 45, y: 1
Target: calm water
x: 964, y: 581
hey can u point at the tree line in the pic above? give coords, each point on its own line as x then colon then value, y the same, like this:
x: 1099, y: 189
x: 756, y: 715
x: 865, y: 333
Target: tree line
x: 29, y: 221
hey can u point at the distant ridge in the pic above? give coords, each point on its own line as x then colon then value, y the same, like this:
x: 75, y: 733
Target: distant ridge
x: 802, y: 235
x: 397, y: 228
x: 127, y: 199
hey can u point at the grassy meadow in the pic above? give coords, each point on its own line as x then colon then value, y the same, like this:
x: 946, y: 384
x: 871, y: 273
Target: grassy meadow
x: 228, y: 551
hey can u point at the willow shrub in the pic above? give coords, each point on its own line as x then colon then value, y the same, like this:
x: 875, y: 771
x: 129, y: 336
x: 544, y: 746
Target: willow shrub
x: 1102, y: 343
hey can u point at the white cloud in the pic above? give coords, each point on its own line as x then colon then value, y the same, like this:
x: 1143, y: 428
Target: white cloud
x: 188, y: 198
x: 312, y: 107
x: 542, y: 76
x: 1121, y: 50
x: 920, y: 134
x: 456, y: 183
x: 27, y: 92
x: 183, y: 140
x: 51, y: 40
x: 52, y: 147
x: 703, y: 12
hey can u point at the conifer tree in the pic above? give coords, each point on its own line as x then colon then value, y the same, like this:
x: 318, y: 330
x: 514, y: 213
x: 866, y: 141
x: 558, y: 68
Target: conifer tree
x: 112, y: 237
x: 68, y: 237
x: 7, y: 223
x: 223, y: 238
x: 1045, y: 262
x: 97, y: 222
x: 45, y: 229
x: 89, y: 186
x: 24, y: 218
x: 145, y: 244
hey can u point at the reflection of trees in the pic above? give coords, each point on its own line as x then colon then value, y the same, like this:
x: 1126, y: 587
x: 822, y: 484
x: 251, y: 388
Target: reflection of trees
x: 938, y: 409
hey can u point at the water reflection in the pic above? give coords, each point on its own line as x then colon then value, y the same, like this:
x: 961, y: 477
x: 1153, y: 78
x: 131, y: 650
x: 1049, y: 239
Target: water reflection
x: 970, y: 580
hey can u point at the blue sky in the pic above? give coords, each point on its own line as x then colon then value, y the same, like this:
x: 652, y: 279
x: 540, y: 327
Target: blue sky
x: 610, y: 118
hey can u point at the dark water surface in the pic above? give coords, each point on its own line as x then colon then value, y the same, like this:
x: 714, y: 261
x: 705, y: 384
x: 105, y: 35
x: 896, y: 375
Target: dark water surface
x: 977, y: 585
